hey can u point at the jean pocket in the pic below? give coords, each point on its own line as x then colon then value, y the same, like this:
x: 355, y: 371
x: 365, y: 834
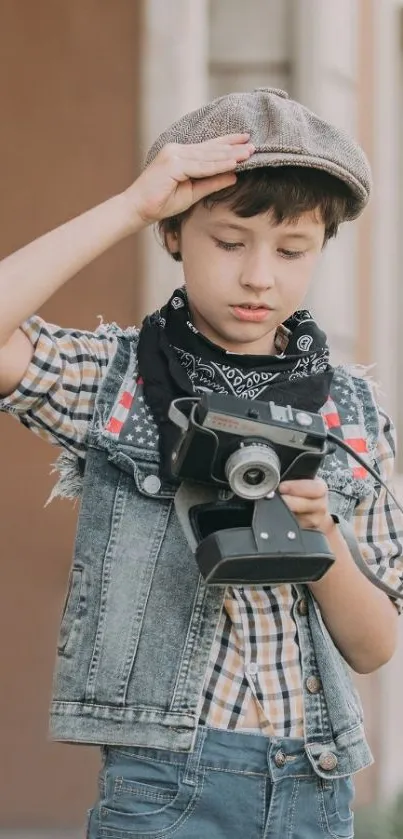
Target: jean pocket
x: 145, y: 798
x: 71, y: 607
x: 336, y: 797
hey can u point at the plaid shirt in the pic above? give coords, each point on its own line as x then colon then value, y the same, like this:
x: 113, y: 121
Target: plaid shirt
x: 255, y: 657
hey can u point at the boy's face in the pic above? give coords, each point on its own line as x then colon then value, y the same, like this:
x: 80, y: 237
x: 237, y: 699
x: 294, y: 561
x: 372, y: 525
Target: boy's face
x: 245, y: 276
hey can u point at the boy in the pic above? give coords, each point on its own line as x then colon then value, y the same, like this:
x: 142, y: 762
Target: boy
x: 219, y: 712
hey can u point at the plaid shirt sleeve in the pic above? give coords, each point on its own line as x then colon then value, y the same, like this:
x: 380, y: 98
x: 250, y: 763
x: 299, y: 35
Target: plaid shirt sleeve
x: 378, y: 522
x: 56, y: 396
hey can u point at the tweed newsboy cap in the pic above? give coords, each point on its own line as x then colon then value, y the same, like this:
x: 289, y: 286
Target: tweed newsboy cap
x: 284, y: 133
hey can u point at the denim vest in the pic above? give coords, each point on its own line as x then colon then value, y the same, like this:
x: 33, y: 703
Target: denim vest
x: 139, y: 622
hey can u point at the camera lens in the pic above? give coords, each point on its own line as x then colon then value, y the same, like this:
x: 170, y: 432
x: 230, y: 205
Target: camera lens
x: 253, y: 471
x: 254, y: 477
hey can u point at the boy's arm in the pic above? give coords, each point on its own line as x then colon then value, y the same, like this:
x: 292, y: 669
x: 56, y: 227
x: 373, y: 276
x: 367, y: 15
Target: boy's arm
x: 31, y: 275
x: 180, y: 176
x: 361, y: 618
x: 56, y: 395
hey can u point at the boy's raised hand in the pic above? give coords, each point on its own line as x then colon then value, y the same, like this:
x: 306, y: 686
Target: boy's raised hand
x: 181, y: 175
x: 178, y: 177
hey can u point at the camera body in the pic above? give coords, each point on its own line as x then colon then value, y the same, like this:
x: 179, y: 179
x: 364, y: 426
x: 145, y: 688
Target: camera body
x: 247, y: 444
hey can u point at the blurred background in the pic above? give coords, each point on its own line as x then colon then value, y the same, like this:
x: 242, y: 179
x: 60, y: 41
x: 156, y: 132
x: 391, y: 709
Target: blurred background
x: 85, y: 87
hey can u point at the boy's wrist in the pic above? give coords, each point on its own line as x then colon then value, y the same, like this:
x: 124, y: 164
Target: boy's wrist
x: 131, y: 214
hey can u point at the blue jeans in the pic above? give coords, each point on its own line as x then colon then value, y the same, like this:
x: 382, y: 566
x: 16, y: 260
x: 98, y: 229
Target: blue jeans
x: 233, y: 786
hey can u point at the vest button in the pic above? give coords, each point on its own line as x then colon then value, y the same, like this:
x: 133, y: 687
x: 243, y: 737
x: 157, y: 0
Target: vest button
x: 280, y: 759
x: 303, y: 607
x: 151, y: 484
x: 313, y: 684
x: 327, y: 761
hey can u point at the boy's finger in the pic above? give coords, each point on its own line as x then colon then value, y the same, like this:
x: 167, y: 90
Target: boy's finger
x: 304, y: 506
x: 205, y: 186
x: 224, y: 152
x: 297, y: 504
x: 232, y: 139
x: 195, y: 169
x: 304, y: 488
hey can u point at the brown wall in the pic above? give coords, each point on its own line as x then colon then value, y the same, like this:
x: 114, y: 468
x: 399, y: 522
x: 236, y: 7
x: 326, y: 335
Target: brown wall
x: 68, y: 139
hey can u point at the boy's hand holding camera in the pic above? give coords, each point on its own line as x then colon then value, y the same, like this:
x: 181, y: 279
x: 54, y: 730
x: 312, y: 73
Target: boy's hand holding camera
x: 308, y: 500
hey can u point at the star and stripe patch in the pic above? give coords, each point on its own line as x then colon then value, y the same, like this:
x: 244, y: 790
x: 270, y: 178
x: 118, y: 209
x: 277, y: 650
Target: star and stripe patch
x: 131, y: 421
x: 348, y: 431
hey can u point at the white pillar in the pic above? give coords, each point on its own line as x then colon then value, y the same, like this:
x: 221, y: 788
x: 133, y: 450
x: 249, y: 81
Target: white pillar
x: 386, y: 233
x: 174, y: 81
x: 324, y: 72
x: 386, y: 278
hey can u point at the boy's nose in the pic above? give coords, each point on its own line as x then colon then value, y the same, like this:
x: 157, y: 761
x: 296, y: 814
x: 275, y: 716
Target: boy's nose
x: 259, y: 275
x: 260, y: 281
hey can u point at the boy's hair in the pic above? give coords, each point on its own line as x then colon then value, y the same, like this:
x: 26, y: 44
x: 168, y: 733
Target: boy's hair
x: 286, y: 192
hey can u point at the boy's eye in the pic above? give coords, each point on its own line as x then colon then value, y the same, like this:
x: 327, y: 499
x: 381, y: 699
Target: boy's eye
x: 228, y: 246
x: 290, y: 254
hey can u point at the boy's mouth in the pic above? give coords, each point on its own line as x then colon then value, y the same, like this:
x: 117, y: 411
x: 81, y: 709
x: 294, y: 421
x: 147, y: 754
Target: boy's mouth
x: 253, y: 312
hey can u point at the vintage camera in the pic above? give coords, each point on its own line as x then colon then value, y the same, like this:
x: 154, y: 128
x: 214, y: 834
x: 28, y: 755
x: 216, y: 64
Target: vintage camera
x: 248, y: 446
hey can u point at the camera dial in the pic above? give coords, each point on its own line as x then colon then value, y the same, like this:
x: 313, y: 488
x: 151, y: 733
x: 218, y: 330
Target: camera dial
x: 253, y: 471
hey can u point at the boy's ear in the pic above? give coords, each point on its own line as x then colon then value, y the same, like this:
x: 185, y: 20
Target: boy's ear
x: 172, y: 240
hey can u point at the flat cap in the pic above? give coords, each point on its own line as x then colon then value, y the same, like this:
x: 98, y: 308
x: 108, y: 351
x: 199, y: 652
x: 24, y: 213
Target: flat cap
x: 284, y: 133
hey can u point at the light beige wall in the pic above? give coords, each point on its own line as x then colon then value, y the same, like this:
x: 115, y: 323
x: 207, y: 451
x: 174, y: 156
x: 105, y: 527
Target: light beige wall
x: 249, y: 50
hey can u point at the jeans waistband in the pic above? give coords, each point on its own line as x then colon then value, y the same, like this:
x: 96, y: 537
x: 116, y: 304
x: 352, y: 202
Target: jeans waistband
x: 233, y: 751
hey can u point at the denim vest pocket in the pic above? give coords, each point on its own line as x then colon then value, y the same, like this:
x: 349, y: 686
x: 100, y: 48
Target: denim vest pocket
x: 148, y: 482
x: 145, y: 473
x: 71, y: 607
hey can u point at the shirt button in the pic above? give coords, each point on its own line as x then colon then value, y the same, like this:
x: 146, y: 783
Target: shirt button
x: 280, y: 759
x: 252, y: 669
x: 151, y: 484
x: 313, y: 684
x: 303, y: 607
x: 327, y: 761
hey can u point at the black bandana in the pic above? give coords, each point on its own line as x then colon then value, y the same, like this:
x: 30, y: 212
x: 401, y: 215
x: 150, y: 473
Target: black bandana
x: 175, y: 360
